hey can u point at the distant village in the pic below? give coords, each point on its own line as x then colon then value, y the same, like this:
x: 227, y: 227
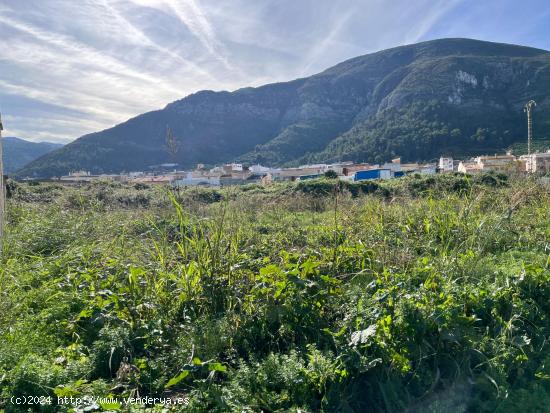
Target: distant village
x: 238, y: 174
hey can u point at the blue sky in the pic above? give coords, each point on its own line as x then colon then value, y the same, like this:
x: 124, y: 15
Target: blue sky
x: 70, y: 67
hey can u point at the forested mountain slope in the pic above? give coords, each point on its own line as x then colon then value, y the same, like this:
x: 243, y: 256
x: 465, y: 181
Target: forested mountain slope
x: 19, y: 152
x: 452, y: 96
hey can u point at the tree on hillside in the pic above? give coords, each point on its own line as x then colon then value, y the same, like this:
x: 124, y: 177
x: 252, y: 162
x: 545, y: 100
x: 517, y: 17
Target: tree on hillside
x: 172, y: 145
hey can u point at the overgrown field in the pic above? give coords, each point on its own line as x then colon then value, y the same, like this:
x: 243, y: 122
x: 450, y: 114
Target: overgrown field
x: 416, y: 295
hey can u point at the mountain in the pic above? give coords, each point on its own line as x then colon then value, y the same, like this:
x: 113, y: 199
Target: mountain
x: 448, y: 96
x: 19, y: 152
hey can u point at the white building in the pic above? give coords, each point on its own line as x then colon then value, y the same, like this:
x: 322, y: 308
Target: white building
x: 466, y: 167
x: 394, y: 165
x: 446, y: 164
x: 258, y: 169
x: 79, y: 173
x: 322, y: 167
x: 538, y: 162
x: 195, y: 180
x: 500, y: 163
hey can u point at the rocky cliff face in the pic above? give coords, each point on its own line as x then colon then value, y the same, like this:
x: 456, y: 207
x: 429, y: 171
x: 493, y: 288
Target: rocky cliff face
x: 417, y: 101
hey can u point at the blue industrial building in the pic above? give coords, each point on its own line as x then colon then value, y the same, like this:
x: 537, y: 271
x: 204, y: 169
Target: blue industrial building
x: 372, y: 174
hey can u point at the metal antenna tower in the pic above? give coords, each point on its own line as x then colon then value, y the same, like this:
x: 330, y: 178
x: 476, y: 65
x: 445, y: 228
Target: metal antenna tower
x: 529, y: 110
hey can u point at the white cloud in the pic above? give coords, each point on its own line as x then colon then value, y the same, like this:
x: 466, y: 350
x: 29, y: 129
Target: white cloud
x: 47, y: 129
x: 194, y: 19
x: 73, y: 67
x: 76, y: 76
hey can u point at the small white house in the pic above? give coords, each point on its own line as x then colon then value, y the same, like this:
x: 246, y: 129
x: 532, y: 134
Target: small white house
x: 446, y: 164
x: 538, y: 162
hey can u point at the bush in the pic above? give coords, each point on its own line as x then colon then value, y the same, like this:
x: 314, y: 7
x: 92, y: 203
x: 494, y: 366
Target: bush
x: 11, y: 188
x: 330, y: 175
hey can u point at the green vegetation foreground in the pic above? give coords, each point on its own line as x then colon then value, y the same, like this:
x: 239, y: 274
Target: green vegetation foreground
x: 416, y: 295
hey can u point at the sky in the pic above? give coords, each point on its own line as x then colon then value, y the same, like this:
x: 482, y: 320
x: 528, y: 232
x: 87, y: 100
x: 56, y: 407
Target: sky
x: 71, y: 67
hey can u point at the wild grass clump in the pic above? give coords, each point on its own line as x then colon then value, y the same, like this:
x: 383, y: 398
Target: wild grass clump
x: 413, y: 185
x: 426, y: 294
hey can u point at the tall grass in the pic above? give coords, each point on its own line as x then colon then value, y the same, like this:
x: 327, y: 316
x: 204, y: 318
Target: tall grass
x: 419, y: 295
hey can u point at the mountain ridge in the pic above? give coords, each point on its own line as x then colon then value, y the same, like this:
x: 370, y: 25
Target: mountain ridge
x: 415, y: 101
x: 18, y: 152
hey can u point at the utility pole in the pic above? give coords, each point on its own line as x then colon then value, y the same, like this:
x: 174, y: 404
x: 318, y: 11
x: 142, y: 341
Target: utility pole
x: 2, y: 194
x: 529, y: 110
